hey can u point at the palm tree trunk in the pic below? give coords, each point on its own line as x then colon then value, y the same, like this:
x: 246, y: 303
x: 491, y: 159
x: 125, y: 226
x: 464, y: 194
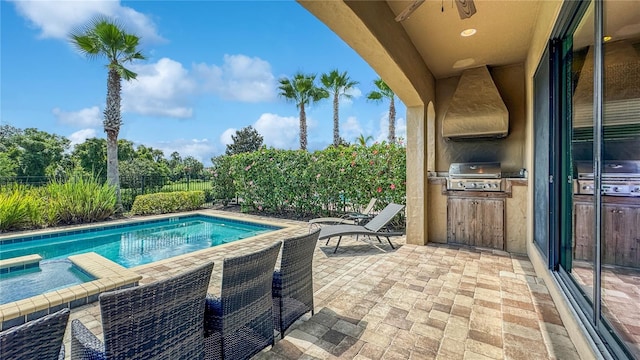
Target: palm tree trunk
x: 336, y: 120
x: 392, y: 121
x: 112, y: 122
x: 303, y: 128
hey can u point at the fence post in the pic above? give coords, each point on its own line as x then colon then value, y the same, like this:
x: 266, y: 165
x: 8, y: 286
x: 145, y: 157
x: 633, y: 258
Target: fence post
x: 188, y: 182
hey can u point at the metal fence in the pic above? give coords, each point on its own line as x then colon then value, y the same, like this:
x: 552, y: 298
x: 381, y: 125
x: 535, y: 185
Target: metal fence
x: 130, y: 187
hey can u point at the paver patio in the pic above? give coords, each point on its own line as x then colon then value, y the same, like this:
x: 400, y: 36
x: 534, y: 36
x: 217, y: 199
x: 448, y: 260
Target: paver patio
x: 415, y: 302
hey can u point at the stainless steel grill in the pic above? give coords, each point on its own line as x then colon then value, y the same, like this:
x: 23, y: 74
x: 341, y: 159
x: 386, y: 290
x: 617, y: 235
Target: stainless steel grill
x: 619, y: 178
x: 475, y: 177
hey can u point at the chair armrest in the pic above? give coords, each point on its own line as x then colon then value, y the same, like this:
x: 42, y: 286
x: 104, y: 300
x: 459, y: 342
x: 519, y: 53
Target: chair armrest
x: 85, y: 345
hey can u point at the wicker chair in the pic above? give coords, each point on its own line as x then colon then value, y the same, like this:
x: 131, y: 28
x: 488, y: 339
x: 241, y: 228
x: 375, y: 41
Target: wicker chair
x: 37, y: 339
x: 239, y: 323
x: 293, y: 282
x: 161, y: 320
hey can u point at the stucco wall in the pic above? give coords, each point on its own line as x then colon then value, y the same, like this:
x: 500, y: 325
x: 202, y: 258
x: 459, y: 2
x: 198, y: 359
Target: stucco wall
x: 510, y: 81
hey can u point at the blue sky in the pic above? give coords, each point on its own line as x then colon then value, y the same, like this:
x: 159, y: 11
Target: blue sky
x: 212, y: 67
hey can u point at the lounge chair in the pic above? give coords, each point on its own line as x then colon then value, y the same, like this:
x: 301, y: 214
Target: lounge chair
x: 293, y: 282
x: 372, y: 228
x: 351, y: 218
x: 161, y: 320
x: 37, y: 339
x: 239, y: 323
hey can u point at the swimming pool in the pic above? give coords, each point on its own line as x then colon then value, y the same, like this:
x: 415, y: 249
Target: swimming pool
x: 136, y: 243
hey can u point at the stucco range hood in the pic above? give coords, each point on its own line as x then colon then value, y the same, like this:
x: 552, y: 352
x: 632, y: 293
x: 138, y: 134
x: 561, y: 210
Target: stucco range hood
x: 476, y: 109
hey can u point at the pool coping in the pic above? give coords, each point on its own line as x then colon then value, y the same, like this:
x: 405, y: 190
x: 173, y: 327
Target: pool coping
x: 109, y: 275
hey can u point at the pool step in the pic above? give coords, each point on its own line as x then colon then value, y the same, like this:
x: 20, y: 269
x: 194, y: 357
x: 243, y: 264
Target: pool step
x: 19, y: 263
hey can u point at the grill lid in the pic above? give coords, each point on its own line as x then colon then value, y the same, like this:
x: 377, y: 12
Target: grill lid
x: 610, y: 169
x: 487, y: 170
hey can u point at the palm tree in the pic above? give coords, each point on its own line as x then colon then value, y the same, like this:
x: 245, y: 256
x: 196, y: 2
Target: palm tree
x: 302, y: 91
x: 363, y: 140
x: 385, y: 92
x: 104, y: 38
x: 337, y: 84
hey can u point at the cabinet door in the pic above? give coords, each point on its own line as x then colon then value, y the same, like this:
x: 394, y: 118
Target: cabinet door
x: 461, y: 221
x: 625, y: 235
x: 490, y: 225
x: 583, y: 232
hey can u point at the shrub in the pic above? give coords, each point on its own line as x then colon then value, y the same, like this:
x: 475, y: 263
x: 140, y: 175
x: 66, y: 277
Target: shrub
x: 313, y: 184
x: 162, y: 203
x: 19, y: 208
x: 81, y: 199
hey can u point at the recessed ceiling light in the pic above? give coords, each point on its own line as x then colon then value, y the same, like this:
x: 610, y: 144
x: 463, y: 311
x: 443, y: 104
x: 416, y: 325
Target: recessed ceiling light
x: 606, y: 38
x: 463, y: 63
x: 468, y: 32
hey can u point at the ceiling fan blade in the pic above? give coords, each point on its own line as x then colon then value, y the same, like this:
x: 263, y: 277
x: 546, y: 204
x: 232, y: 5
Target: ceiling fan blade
x: 466, y: 8
x: 404, y: 15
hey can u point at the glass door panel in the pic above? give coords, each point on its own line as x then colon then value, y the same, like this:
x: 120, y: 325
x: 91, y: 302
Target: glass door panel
x: 620, y: 273
x: 578, y: 258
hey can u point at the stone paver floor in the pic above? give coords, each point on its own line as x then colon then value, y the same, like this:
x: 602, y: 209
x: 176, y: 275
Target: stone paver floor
x: 415, y: 302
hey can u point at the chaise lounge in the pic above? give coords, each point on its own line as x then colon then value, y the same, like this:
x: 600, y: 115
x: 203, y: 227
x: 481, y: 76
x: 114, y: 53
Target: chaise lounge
x: 372, y: 228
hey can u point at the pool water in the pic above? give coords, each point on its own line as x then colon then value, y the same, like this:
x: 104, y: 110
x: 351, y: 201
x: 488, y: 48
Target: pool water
x: 140, y: 243
x: 51, y: 275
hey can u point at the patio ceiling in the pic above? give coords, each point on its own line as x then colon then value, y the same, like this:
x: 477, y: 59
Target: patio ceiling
x: 503, y: 36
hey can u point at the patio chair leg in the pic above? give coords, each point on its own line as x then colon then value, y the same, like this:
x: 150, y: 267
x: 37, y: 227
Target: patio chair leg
x: 389, y: 240
x: 327, y: 243
x: 336, y: 249
x: 380, y: 241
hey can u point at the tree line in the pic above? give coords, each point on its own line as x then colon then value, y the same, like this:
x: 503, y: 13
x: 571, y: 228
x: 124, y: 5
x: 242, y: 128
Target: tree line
x: 36, y: 154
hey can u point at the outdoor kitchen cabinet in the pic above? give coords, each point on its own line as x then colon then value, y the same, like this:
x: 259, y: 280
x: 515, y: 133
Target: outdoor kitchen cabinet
x: 620, y: 234
x: 476, y: 221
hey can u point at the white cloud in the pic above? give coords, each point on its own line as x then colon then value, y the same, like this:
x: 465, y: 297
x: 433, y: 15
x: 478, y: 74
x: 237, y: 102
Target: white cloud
x: 383, y: 133
x: 201, y: 149
x: 80, y: 136
x: 350, y: 129
x: 355, y: 93
x: 240, y: 78
x: 225, y: 138
x: 87, y: 117
x: 279, y: 131
x: 162, y: 89
x: 55, y: 19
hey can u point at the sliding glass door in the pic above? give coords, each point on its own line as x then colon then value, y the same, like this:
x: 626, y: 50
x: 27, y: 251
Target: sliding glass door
x: 599, y: 193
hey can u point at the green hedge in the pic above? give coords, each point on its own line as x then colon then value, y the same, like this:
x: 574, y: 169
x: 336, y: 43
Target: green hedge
x: 162, y: 203
x: 312, y: 184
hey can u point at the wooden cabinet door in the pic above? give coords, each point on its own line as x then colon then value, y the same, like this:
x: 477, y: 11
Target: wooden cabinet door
x: 490, y: 224
x: 583, y: 229
x: 476, y: 222
x: 461, y: 221
x: 622, y: 239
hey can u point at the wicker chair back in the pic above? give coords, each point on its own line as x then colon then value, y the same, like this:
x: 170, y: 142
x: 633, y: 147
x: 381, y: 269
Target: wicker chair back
x: 37, y: 339
x: 161, y: 320
x: 239, y: 324
x: 293, y: 282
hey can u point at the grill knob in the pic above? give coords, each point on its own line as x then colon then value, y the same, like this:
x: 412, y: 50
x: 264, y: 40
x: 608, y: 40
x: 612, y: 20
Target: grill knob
x: 460, y: 184
x: 615, y: 189
x: 472, y: 185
